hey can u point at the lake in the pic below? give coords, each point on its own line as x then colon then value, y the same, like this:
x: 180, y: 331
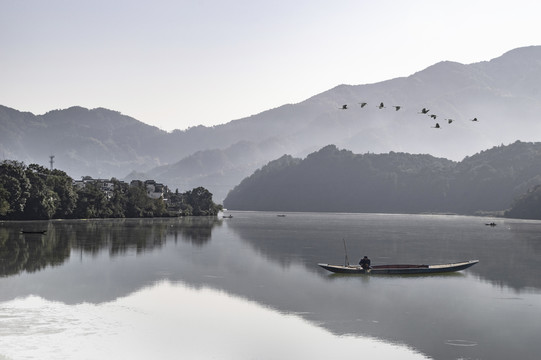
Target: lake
x: 248, y: 287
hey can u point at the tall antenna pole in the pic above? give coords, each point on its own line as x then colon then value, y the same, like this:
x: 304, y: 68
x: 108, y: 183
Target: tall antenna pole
x: 51, y: 161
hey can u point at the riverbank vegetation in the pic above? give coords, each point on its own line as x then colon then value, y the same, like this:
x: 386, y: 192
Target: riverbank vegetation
x: 36, y: 193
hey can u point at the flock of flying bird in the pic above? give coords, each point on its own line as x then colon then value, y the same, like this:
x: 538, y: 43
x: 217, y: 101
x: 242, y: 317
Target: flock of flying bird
x: 423, y: 111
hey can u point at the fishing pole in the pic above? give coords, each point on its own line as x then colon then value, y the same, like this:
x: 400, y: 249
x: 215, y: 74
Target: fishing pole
x: 346, y: 251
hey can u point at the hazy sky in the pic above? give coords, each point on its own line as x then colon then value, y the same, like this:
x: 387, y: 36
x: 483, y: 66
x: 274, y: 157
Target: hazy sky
x: 176, y: 64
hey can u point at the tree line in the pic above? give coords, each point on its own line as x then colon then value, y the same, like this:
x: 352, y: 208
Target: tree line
x: 34, y: 192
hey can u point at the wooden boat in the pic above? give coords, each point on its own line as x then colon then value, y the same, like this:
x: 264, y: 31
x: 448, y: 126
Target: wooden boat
x: 41, y: 232
x: 399, y: 269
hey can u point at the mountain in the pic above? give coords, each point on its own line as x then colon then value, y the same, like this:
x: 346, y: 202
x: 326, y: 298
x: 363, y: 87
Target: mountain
x: 503, y: 94
x: 97, y: 142
x: 341, y: 181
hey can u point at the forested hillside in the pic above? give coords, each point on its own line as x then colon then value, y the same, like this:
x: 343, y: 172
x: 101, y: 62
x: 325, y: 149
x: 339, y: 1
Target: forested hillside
x: 527, y: 206
x: 341, y: 181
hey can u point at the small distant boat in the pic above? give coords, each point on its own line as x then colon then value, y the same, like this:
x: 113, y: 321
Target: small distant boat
x: 491, y: 224
x: 399, y: 269
x: 41, y: 232
x: 281, y: 215
x: 228, y: 216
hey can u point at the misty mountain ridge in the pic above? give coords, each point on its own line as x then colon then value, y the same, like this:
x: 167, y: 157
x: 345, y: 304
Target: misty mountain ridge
x: 503, y: 94
x: 333, y: 180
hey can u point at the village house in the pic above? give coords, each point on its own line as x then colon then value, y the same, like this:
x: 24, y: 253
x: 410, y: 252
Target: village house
x: 106, y: 185
x: 154, y: 190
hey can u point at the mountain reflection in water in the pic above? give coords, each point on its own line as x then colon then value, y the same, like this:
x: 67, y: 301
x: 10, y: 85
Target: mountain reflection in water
x: 272, y: 261
x: 187, y: 324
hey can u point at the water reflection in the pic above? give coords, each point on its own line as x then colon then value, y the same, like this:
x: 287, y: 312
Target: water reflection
x: 32, y: 252
x: 271, y: 262
x: 508, y: 253
x: 187, y: 324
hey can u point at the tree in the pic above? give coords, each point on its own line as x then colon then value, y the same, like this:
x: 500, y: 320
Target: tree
x: 159, y: 208
x: 43, y: 201
x: 200, y: 201
x: 137, y: 201
x: 92, y: 203
x: 4, y: 201
x: 59, y: 182
x: 118, y: 201
x: 14, y: 182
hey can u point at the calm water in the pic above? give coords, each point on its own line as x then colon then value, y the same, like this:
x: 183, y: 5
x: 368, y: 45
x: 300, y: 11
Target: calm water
x: 249, y: 288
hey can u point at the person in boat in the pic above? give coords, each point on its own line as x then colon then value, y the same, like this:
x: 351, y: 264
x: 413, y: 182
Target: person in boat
x: 365, y: 263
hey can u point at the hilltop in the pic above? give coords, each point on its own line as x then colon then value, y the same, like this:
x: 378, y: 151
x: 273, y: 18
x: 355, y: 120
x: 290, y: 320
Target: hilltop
x: 503, y: 94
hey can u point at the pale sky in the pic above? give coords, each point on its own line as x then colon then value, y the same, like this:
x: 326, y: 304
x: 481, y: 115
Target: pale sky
x: 177, y: 64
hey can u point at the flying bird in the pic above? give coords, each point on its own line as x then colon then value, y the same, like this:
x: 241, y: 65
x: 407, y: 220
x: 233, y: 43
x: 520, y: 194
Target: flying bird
x: 474, y: 119
x: 424, y: 111
x: 449, y: 121
x: 437, y: 126
x: 381, y: 106
x: 433, y: 116
x: 344, y: 107
x: 363, y: 104
x: 397, y: 108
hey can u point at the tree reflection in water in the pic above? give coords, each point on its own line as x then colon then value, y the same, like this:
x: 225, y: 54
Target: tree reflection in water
x: 32, y: 252
x: 29, y: 252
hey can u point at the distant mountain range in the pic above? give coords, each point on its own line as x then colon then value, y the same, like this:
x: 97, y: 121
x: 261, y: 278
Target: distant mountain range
x: 503, y: 94
x: 340, y: 181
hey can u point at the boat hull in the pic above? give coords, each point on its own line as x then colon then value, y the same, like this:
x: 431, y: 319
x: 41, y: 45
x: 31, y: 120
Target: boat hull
x: 399, y: 269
